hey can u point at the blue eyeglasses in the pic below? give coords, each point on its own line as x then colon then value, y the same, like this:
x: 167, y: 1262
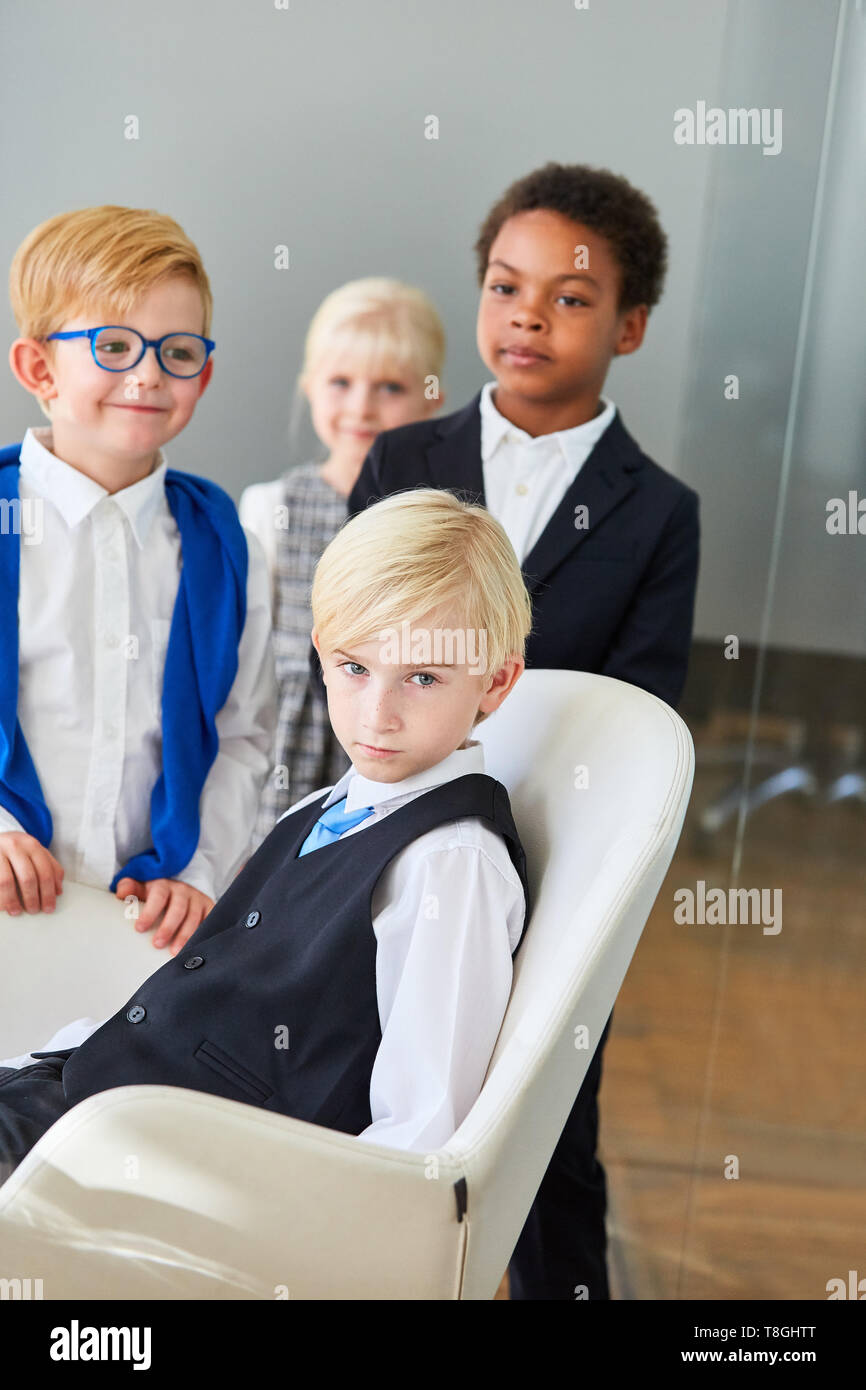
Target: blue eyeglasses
x: 118, y: 349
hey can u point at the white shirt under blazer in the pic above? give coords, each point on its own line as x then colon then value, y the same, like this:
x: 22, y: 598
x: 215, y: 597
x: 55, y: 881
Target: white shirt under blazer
x: 526, y: 477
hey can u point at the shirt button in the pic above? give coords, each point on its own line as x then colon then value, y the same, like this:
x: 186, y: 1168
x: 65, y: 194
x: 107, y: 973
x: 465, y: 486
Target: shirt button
x: 112, y: 641
x: 111, y: 731
x: 193, y: 963
x: 253, y: 919
x: 136, y: 1013
x: 521, y: 489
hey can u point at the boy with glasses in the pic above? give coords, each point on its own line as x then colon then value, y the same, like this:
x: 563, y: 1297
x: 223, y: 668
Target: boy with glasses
x: 137, y: 695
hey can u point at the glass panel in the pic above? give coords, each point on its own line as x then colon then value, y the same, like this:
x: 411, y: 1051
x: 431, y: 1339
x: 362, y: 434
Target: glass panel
x: 738, y: 1041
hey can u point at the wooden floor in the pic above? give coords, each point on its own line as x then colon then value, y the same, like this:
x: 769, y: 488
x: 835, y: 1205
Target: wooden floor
x: 730, y: 1046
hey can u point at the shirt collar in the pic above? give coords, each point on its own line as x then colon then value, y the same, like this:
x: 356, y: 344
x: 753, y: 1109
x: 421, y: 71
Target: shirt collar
x: 573, y: 444
x: 75, y: 495
x: 361, y: 791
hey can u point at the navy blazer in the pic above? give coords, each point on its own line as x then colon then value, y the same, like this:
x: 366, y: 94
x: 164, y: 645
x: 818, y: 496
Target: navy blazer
x: 615, y: 597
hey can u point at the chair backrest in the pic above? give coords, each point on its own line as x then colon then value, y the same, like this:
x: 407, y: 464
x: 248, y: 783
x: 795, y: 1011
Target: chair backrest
x: 312, y: 1216
x: 599, y: 774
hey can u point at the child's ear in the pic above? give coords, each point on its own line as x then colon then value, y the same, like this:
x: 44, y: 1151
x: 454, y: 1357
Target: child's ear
x: 204, y: 377
x: 502, y: 682
x: 31, y: 366
x: 631, y: 330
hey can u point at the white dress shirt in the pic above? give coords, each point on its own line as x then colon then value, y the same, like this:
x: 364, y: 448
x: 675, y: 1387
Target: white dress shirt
x: 442, y: 981
x: 526, y: 478
x: 258, y: 510
x: 99, y: 577
x: 447, y: 913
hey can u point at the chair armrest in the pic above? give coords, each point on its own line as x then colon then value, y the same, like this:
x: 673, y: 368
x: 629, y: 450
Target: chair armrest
x: 85, y: 958
x: 158, y: 1192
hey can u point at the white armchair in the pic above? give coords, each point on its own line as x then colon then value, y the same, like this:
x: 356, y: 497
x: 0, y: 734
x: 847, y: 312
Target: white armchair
x: 80, y: 961
x: 157, y: 1192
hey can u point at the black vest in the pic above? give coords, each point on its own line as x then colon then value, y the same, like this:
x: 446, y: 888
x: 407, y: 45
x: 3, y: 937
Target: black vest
x: 273, y: 1000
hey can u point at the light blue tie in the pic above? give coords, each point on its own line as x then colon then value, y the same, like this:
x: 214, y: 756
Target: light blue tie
x: 332, y: 824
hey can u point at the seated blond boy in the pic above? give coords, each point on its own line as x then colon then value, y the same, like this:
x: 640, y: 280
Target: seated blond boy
x: 356, y: 972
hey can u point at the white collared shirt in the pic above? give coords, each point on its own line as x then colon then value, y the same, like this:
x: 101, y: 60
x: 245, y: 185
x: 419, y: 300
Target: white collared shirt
x: 99, y: 577
x: 442, y: 981
x: 447, y: 914
x: 257, y: 510
x: 526, y: 478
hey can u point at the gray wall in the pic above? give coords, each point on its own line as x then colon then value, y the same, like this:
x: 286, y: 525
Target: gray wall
x: 797, y: 435
x: 305, y: 126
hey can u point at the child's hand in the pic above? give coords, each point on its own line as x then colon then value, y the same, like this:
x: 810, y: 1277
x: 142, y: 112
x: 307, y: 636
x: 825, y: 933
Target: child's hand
x: 29, y: 874
x: 185, y: 907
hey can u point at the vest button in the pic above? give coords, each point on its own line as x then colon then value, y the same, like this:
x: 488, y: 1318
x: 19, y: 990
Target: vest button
x: 193, y: 963
x: 253, y: 919
x: 136, y: 1013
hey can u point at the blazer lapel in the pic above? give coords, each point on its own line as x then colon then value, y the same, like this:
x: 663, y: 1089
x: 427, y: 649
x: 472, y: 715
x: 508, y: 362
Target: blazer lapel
x: 454, y: 457
x: 607, y: 476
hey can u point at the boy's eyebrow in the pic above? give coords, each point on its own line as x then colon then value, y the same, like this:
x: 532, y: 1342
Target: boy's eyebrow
x: 572, y: 275
x: 420, y: 666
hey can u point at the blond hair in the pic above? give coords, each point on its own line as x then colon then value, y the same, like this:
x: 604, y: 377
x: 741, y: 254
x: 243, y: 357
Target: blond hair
x: 105, y: 256
x: 380, y: 321
x: 415, y: 554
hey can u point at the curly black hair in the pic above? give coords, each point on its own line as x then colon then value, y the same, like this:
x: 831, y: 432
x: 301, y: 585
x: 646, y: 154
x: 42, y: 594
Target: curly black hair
x: 605, y: 202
